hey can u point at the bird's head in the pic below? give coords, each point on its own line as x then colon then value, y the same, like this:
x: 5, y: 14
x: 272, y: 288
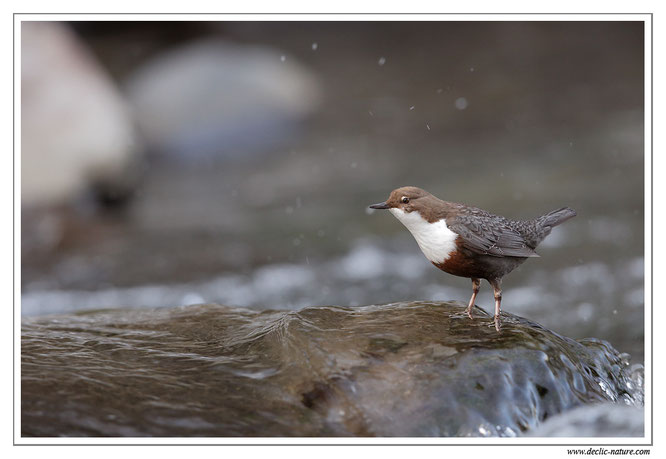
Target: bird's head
x: 405, y: 198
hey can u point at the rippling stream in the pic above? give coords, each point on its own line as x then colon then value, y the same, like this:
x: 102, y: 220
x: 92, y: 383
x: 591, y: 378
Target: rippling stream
x: 402, y: 369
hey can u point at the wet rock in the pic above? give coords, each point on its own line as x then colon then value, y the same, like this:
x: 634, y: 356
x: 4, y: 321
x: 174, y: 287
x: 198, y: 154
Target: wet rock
x: 402, y: 369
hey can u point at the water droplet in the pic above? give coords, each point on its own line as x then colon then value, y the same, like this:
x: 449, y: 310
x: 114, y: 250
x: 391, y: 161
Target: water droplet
x: 315, y: 46
x: 585, y: 311
x: 411, y: 108
x: 381, y: 61
x: 353, y: 165
x: 283, y: 58
x: 428, y: 126
x: 461, y: 103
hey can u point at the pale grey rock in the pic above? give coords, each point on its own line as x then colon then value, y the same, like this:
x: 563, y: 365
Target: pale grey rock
x: 212, y: 97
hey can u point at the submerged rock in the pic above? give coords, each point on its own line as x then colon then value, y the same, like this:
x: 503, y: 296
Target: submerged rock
x: 403, y: 369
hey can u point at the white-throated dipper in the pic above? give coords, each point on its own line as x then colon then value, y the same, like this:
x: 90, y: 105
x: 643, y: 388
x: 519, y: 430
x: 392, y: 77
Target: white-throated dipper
x: 469, y: 242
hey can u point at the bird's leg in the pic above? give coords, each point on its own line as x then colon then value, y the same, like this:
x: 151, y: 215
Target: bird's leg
x: 497, y: 292
x: 476, y: 285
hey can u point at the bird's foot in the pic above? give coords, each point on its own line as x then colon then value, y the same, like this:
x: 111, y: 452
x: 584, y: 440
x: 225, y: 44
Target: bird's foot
x: 469, y: 313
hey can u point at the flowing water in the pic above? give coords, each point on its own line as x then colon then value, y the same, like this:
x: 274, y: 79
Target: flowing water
x: 402, y: 369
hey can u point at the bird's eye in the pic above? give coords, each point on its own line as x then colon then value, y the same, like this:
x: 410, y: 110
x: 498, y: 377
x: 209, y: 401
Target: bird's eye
x: 405, y: 200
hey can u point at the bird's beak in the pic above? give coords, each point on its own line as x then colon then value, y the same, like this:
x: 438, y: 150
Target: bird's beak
x: 380, y: 205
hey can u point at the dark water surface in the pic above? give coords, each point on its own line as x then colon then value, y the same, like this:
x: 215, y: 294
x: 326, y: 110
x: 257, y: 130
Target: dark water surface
x: 402, y: 369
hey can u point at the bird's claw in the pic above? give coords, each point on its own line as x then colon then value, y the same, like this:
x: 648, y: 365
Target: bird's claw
x: 498, y: 325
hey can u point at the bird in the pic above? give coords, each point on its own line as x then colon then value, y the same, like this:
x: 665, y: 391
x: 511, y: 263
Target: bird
x: 470, y: 242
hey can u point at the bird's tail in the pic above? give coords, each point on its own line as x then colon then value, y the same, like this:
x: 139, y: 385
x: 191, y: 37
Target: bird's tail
x: 556, y: 217
x: 541, y: 226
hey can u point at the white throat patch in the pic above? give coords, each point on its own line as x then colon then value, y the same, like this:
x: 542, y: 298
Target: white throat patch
x: 436, y: 240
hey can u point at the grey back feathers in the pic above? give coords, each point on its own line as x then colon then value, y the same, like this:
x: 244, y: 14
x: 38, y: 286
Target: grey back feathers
x: 488, y: 234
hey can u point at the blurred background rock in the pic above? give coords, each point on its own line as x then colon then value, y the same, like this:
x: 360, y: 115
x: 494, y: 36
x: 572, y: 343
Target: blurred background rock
x: 168, y: 163
x: 76, y: 126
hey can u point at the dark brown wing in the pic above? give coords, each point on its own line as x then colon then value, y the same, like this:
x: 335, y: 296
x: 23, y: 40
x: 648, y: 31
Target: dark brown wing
x: 491, y: 235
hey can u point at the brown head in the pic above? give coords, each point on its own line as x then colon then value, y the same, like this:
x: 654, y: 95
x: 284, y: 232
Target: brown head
x: 411, y: 198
